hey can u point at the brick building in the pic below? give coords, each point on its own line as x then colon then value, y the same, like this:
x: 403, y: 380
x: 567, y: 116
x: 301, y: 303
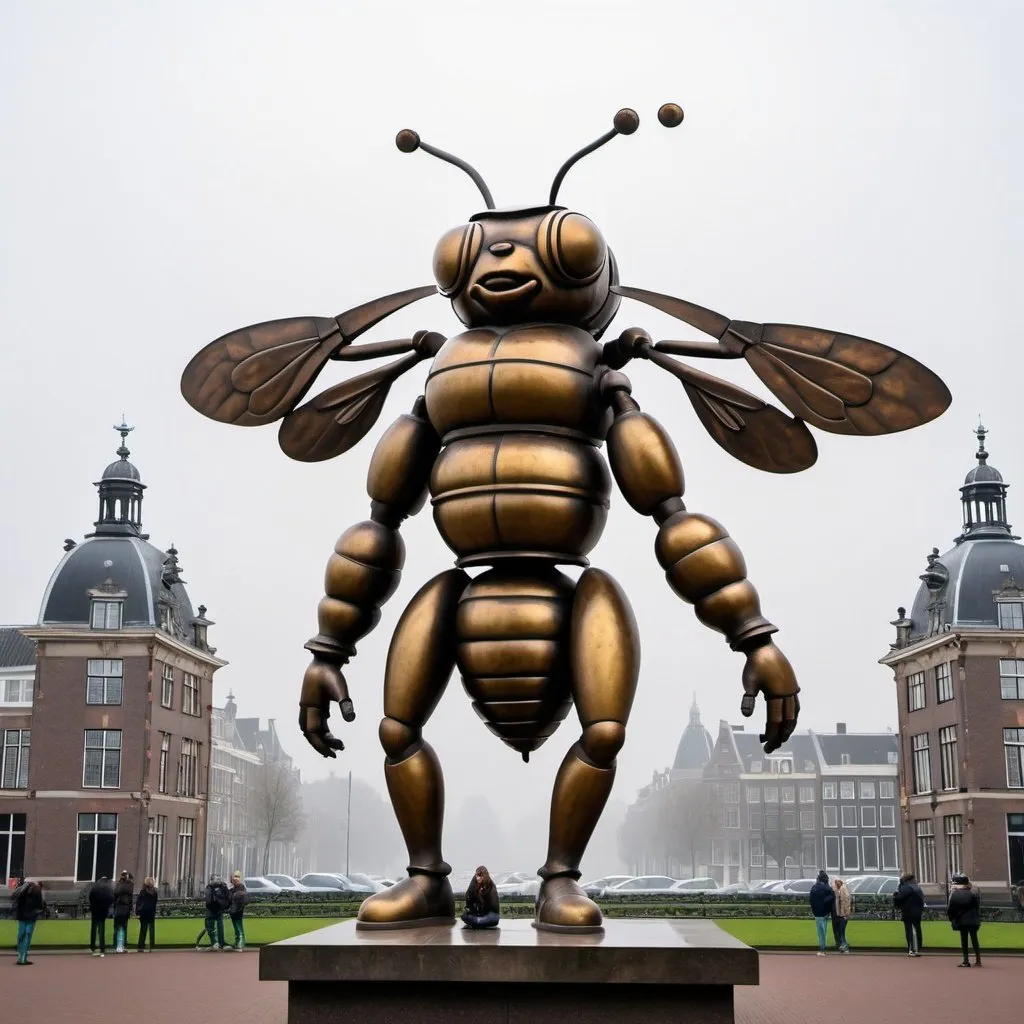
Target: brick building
x: 105, y: 710
x: 958, y: 662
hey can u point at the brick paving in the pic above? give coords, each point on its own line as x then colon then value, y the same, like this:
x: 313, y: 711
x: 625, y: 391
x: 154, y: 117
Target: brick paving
x: 796, y: 988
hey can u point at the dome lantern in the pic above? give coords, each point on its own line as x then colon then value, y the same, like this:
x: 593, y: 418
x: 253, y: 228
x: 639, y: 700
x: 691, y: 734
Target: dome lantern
x: 984, y: 497
x: 120, y: 495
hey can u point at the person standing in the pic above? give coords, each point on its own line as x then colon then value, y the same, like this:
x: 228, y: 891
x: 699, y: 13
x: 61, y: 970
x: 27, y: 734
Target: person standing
x: 101, y: 899
x: 909, y: 901
x: 29, y: 906
x: 145, y: 911
x: 482, y: 907
x: 964, y: 910
x: 123, y: 893
x: 239, y: 897
x: 822, y: 899
x: 841, y: 911
x: 217, y: 900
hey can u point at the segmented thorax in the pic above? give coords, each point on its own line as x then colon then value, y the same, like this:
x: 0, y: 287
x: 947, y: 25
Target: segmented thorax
x: 520, y: 474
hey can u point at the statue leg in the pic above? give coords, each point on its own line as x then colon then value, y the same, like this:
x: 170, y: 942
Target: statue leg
x: 605, y: 661
x: 420, y: 662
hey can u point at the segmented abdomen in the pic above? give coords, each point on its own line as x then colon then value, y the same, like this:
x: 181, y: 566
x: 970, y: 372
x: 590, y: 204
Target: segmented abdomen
x: 513, y: 651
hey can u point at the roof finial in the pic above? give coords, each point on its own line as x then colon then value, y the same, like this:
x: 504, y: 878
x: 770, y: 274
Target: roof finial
x: 694, y: 710
x: 124, y: 430
x: 980, y: 433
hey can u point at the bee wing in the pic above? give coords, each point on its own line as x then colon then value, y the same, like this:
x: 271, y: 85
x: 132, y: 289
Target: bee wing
x: 747, y: 428
x: 839, y: 382
x: 340, y: 417
x: 258, y: 374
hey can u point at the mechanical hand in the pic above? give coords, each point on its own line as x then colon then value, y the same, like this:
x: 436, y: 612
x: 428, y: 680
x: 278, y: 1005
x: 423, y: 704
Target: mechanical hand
x: 769, y: 672
x: 323, y: 683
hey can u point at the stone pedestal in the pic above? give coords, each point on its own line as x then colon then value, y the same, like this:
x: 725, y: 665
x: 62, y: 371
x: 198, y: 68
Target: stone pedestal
x: 636, y: 972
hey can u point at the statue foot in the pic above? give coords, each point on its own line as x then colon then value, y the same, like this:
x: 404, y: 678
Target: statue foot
x: 562, y: 906
x: 416, y: 902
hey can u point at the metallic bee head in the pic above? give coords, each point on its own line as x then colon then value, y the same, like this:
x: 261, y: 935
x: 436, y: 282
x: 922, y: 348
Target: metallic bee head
x: 530, y: 263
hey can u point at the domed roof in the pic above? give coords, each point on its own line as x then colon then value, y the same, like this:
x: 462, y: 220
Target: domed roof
x: 695, y: 745
x: 121, y: 470
x: 125, y: 565
x: 983, y: 474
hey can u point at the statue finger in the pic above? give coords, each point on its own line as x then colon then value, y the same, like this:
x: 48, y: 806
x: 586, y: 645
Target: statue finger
x: 748, y: 704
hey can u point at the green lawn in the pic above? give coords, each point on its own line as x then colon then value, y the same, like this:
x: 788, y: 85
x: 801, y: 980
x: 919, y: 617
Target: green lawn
x: 764, y: 933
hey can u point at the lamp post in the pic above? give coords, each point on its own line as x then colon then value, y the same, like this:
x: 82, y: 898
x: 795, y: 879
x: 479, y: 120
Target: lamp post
x: 348, y: 820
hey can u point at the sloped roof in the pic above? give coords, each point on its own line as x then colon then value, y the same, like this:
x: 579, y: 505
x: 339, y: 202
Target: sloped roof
x: 16, y: 649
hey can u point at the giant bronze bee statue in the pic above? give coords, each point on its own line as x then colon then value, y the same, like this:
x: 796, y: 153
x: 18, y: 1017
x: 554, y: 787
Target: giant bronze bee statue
x: 506, y: 440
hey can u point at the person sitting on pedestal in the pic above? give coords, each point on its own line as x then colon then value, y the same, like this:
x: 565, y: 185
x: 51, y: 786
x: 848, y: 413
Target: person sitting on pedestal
x: 482, y: 910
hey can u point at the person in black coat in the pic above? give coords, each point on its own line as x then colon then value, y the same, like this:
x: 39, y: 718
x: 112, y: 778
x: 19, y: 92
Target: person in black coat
x: 145, y: 911
x: 909, y: 901
x: 482, y: 908
x: 964, y: 910
x: 823, y: 901
x: 124, y: 892
x: 101, y: 899
x: 28, y: 907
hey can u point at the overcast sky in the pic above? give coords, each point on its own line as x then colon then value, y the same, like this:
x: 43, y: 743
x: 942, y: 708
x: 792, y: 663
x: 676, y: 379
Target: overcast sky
x: 175, y: 170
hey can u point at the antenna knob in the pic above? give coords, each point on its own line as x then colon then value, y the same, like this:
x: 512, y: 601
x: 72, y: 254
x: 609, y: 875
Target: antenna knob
x: 407, y: 140
x: 626, y: 121
x: 670, y: 115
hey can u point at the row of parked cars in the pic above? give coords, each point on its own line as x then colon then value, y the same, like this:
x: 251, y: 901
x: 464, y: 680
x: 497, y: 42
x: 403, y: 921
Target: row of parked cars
x: 268, y: 885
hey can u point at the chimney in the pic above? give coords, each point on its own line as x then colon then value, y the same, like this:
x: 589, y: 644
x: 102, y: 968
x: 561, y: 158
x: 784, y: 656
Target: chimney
x: 840, y: 728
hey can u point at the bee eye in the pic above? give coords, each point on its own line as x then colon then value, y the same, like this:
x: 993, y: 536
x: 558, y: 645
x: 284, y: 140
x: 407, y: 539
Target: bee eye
x: 454, y: 255
x: 572, y: 246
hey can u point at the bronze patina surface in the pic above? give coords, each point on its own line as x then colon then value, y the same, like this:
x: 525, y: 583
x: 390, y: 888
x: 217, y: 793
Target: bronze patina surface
x: 505, y: 441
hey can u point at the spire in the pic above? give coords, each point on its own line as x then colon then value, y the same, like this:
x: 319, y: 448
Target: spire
x: 120, y: 494
x: 983, y: 496
x: 694, y: 711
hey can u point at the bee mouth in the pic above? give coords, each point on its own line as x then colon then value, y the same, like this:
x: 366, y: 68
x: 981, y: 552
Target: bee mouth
x: 503, y: 287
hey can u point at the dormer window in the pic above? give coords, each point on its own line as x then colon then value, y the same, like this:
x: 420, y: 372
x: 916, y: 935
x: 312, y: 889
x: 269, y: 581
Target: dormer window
x: 165, y: 617
x: 844, y: 758
x: 106, y: 614
x: 1011, y: 614
x: 755, y: 766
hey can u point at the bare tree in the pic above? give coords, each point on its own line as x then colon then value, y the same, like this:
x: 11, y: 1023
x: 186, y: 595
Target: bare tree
x: 688, y: 820
x: 277, y: 806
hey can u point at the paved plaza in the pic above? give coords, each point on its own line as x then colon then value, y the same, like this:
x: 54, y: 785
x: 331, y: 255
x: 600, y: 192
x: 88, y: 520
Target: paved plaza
x: 185, y: 986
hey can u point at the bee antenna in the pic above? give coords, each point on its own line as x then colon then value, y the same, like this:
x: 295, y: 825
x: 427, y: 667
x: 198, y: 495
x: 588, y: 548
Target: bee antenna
x: 625, y: 122
x: 409, y: 141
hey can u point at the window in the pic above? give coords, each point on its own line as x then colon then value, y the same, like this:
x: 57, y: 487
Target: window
x: 807, y: 794
x: 947, y: 757
x: 732, y: 817
x: 785, y: 767
x: 186, y: 853
x: 915, y: 691
x: 847, y: 791
x: 753, y: 794
x: 167, y: 690
x: 106, y: 615
x: 849, y: 816
x: 831, y: 853
x: 807, y: 821
x: 188, y: 768
x: 771, y: 821
x: 922, y: 764
x: 789, y: 794
x: 789, y: 821
x: 102, y: 759
x: 190, y: 695
x: 15, y: 761
x: 828, y: 791
x: 16, y: 693
x: 732, y: 792
x: 1011, y: 614
x: 887, y: 817
x: 808, y: 853
x: 953, y: 829
x: 717, y: 852
x: 755, y: 821
x: 97, y: 847
x: 155, y: 860
x: 12, y: 844
x: 888, y: 853
x: 756, y: 853
x: 851, y: 853
x: 771, y: 794
x: 893, y: 757
x: 165, y: 748
x: 869, y: 847
x: 868, y: 818
x: 943, y: 683
x: 867, y: 791
x: 924, y: 833
x: 755, y: 767
x: 1011, y: 678
x: 1013, y: 748
x: 830, y: 816
x: 887, y: 791
x: 844, y: 758
x: 104, y: 681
